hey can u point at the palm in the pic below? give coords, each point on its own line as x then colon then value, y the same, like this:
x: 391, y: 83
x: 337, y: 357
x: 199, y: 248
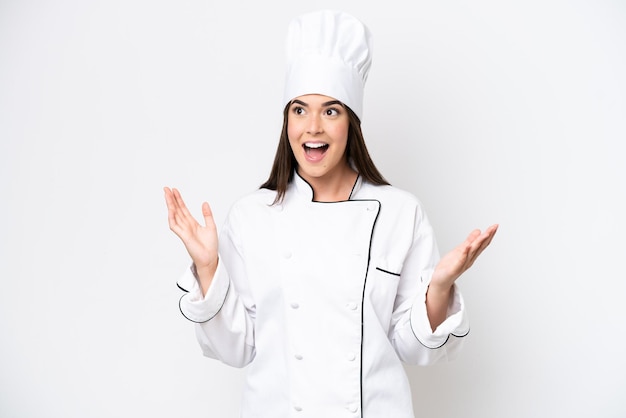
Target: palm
x: 200, y: 241
x: 461, y: 258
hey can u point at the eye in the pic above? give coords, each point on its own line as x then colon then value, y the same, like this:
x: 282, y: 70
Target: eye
x: 297, y: 110
x: 331, y: 111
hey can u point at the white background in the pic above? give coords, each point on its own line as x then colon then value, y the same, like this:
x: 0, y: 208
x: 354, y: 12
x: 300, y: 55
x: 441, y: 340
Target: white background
x: 488, y: 111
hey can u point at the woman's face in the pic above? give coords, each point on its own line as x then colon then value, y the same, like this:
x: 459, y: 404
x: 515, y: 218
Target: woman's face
x: 317, y: 127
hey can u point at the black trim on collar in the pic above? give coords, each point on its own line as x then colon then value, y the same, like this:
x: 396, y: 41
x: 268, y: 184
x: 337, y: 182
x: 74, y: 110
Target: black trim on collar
x: 354, y: 186
x: 356, y: 181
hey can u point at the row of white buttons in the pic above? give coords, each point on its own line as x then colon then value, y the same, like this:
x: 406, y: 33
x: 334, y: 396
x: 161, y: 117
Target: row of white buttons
x: 350, y: 356
x: 352, y: 305
x: 352, y: 408
x: 288, y: 254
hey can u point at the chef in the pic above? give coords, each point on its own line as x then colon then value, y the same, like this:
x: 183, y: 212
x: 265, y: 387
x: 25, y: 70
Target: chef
x: 327, y: 279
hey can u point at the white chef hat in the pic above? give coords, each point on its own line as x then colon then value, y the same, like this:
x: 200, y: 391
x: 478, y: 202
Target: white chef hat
x: 328, y: 53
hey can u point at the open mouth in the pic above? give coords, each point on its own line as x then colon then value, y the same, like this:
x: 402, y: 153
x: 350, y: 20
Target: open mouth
x: 315, y: 150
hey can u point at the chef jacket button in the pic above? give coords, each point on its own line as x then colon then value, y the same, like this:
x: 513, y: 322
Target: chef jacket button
x: 297, y: 408
x: 298, y: 357
x: 352, y: 407
x: 352, y: 306
x: 295, y: 305
x: 287, y: 254
x: 351, y: 356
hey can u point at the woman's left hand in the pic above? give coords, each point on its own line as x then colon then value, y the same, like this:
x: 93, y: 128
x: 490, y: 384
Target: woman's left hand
x: 461, y: 258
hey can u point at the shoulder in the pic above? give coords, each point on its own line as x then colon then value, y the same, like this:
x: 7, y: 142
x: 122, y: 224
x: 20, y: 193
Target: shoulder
x: 249, y: 212
x: 388, y: 195
x: 254, y: 201
x: 396, y: 205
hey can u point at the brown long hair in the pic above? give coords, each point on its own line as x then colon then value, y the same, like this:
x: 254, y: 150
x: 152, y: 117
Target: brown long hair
x: 285, y: 163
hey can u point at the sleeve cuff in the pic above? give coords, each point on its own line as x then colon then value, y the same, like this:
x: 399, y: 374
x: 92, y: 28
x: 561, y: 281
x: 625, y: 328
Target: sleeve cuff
x: 456, y: 322
x: 192, y: 305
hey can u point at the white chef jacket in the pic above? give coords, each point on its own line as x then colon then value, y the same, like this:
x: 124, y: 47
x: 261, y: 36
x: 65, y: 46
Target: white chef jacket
x: 323, y: 302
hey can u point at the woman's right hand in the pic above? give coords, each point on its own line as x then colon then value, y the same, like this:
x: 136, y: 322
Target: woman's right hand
x: 200, y: 241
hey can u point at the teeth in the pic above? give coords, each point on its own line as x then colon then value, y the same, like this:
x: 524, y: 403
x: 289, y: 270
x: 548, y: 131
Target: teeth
x: 314, y: 145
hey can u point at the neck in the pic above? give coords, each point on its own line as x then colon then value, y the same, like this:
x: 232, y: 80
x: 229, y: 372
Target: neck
x: 335, y: 188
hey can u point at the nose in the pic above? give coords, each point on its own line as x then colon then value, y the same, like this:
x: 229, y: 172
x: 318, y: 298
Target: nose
x: 314, y: 125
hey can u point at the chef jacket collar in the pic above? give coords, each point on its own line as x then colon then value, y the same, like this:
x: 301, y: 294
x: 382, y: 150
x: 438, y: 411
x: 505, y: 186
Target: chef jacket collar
x: 304, y: 189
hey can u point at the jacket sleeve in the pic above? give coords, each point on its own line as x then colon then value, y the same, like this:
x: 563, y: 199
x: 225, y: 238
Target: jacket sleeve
x: 412, y: 336
x: 225, y: 316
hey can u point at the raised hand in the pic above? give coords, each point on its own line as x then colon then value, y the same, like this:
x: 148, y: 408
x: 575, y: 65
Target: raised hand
x: 200, y: 241
x: 449, y: 268
x: 461, y: 258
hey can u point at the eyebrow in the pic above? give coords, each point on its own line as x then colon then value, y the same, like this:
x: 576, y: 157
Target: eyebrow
x: 325, y: 104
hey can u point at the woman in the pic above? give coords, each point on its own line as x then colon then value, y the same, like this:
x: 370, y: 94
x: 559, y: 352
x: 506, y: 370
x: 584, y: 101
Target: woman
x: 327, y: 278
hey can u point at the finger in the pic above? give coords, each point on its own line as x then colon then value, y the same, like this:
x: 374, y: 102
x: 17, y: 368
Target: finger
x: 492, y: 233
x: 207, y: 213
x: 179, y: 219
x: 172, y: 198
x: 172, y: 207
x: 170, y: 201
x: 169, y: 198
x: 183, y: 213
x: 486, y: 236
x: 178, y: 198
x: 478, y: 251
x: 472, y: 237
x: 482, y: 243
x: 470, y: 245
x: 489, y: 234
x: 175, y: 215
